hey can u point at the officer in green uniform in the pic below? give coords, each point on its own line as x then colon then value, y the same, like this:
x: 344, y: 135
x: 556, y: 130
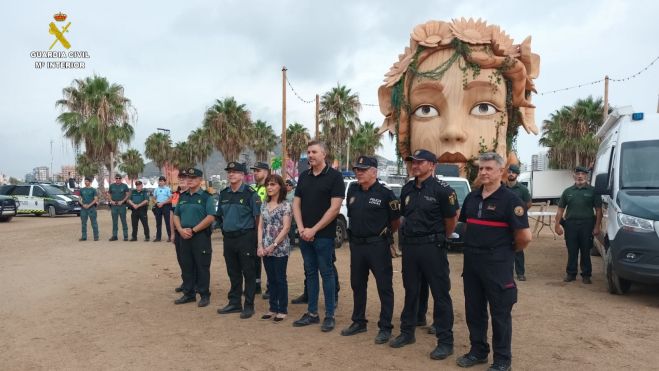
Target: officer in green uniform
x: 238, y: 213
x: 139, y: 204
x: 261, y: 172
x: 580, y: 224
x: 523, y: 193
x: 119, y: 193
x: 194, y: 214
x: 88, y: 202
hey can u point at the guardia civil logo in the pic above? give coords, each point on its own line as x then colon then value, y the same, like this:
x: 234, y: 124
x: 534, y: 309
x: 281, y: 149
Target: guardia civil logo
x: 60, y: 54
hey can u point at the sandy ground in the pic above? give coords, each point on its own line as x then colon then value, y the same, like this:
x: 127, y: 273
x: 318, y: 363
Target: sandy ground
x: 109, y: 305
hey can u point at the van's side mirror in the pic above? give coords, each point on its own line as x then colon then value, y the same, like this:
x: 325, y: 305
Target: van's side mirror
x: 602, y: 184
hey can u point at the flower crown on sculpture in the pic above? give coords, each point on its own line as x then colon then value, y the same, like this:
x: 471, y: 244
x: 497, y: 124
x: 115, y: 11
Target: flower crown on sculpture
x: 486, y: 46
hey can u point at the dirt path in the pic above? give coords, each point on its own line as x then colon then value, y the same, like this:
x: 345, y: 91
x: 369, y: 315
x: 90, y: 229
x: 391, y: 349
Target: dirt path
x: 108, y: 305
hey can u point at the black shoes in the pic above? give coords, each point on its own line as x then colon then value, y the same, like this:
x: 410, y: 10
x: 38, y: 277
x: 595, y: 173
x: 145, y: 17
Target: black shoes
x: 569, y: 278
x: 258, y: 290
x: 156, y: 240
x: 469, y: 360
x: 82, y: 239
x: 133, y: 239
x: 354, y: 329
x: 179, y: 289
x: 382, y: 337
x: 500, y: 367
x: 431, y: 330
x: 247, y: 313
x: 146, y: 239
x: 230, y: 308
x: 125, y: 238
x: 205, y: 300
x: 302, y: 299
x: 185, y: 299
x: 306, y: 320
x: 265, y: 296
x: 95, y: 238
x: 587, y: 280
x: 442, y: 351
x: 328, y: 324
x: 402, y: 340
x: 113, y: 238
x: 521, y: 277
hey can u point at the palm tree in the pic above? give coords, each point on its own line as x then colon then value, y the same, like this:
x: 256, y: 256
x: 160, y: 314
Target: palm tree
x: 297, y: 138
x: 365, y: 141
x: 158, y: 147
x: 229, y: 126
x: 183, y: 155
x: 202, y: 145
x: 569, y: 133
x: 85, y: 166
x: 132, y: 164
x: 339, y: 115
x: 263, y: 140
x: 98, y: 116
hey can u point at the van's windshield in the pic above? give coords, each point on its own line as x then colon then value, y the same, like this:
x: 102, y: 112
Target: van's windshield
x: 639, y: 165
x: 52, y: 190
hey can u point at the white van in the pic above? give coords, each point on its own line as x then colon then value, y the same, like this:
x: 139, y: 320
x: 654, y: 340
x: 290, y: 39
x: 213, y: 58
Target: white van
x: 626, y: 174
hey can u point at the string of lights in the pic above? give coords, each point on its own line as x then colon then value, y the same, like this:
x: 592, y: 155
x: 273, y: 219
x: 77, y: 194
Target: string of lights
x: 298, y: 95
x: 602, y: 80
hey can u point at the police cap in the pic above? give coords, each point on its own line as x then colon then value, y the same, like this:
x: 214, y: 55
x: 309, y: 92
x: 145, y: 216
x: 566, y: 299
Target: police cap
x: 236, y: 166
x: 514, y: 169
x: 422, y: 155
x: 365, y: 162
x: 261, y: 165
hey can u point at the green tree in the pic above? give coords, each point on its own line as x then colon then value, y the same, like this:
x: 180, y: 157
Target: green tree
x: 85, y: 166
x: 229, y: 126
x: 569, y: 133
x: 339, y: 116
x: 297, y: 138
x: 365, y: 141
x: 183, y: 155
x: 98, y: 116
x: 158, y: 148
x: 200, y: 140
x: 132, y: 164
x: 263, y: 140
x: 13, y: 181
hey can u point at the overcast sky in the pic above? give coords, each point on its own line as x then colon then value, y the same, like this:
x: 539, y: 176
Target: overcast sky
x: 175, y: 58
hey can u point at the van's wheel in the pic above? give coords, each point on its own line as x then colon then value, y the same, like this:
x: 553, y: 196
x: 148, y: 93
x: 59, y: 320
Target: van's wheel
x: 615, y: 284
x: 51, y: 211
x: 341, y: 232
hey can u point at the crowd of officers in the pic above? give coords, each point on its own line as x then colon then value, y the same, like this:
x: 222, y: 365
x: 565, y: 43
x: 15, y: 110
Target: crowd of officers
x: 495, y: 235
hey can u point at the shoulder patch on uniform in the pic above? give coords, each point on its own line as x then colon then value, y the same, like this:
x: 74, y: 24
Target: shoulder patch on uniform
x: 519, y: 211
x: 394, y: 205
x: 407, y: 200
x: 452, y: 198
x: 352, y: 199
x: 442, y: 183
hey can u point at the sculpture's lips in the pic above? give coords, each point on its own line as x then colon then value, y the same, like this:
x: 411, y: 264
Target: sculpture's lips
x: 452, y: 158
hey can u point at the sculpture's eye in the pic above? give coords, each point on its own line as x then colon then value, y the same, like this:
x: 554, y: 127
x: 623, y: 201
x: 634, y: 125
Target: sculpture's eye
x: 484, y: 109
x: 426, y: 110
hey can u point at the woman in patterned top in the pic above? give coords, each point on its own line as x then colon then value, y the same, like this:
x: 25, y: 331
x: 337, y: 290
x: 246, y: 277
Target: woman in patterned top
x: 274, y: 245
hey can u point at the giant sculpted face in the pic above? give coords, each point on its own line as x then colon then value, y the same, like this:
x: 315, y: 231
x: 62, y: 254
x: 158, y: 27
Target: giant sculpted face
x: 460, y: 89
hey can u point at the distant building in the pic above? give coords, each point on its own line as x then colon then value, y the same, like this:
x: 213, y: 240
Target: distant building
x: 41, y: 173
x: 540, y: 161
x: 69, y: 171
x: 29, y: 177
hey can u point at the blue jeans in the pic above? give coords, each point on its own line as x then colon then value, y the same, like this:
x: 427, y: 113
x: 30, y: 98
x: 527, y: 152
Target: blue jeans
x: 317, y: 256
x: 275, y: 270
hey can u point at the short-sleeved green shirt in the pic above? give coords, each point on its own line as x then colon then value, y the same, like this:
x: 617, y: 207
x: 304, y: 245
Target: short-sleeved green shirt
x: 87, y: 195
x: 118, y: 191
x: 238, y: 210
x: 521, y: 191
x: 580, y: 202
x: 139, y: 196
x: 193, y: 208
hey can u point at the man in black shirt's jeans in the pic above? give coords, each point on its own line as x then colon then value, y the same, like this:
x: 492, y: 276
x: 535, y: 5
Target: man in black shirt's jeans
x: 318, y: 196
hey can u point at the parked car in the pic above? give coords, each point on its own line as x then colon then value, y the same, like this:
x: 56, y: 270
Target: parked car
x: 462, y: 189
x: 42, y: 198
x: 8, y: 208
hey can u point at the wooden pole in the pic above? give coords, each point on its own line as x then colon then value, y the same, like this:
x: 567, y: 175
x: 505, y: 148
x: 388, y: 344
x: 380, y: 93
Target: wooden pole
x: 283, y: 123
x: 317, y: 115
x: 606, y: 98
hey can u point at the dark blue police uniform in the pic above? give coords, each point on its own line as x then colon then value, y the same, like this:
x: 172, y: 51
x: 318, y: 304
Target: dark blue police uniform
x: 423, y: 242
x: 371, y: 213
x: 488, y: 268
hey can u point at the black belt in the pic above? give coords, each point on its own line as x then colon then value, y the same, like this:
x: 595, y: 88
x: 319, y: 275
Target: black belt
x: 422, y: 239
x: 238, y: 233
x: 365, y: 240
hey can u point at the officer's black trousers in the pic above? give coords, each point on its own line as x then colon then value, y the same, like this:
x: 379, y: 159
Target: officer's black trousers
x: 427, y: 261
x: 140, y: 215
x: 488, y: 279
x: 424, y: 295
x: 178, y: 247
x: 196, y: 254
x: 374, y: 257
x: 519, y: 263
x: 239, y: 255
x: 161, y: 213
x: 579, y: 240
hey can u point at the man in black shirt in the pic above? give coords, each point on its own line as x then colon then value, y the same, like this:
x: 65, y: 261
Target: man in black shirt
x: 496, y: 226
x: 316, y: 205
x: 374, y: 213
x: 428, y: 207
